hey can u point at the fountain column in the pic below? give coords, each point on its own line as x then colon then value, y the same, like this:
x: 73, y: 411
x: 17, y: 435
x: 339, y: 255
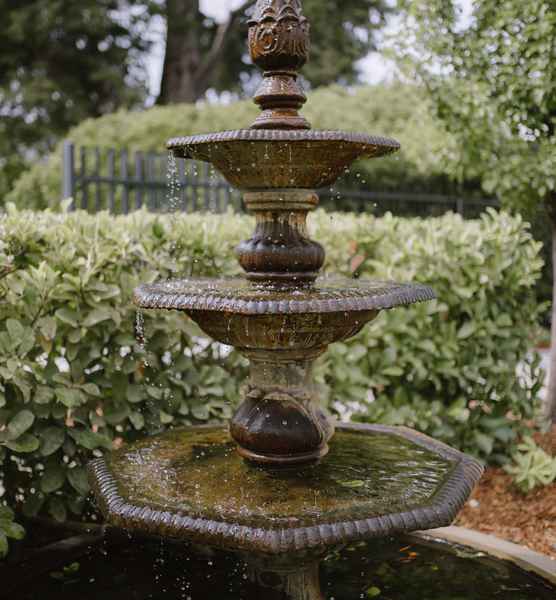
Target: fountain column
x: 280, y: 420
x: 280, y: 249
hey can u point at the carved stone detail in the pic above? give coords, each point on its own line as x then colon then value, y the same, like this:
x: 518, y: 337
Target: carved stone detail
x: 279, y: 44
x: 279, y: 35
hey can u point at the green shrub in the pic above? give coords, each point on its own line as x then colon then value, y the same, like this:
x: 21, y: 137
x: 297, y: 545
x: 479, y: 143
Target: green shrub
x: 396, y: 111
x: 74, y: 382
x: 9, y: 529
x: 453, y: 368
x: 532, y: 466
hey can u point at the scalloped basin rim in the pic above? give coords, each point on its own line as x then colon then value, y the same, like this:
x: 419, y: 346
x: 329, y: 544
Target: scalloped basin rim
x: 239, y: 296
x: 285, y: 135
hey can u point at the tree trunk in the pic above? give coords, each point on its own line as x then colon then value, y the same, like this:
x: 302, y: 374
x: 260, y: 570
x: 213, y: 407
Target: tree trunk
x: 183, y: 53
x: 190, y: 59
x: 551, y: 394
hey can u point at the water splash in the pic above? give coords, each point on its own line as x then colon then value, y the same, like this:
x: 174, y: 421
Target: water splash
x: 140, y: 329
x: 174, y: 185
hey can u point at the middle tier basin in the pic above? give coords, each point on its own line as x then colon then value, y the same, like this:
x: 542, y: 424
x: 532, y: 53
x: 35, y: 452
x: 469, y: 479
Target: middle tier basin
x: 266, y: 316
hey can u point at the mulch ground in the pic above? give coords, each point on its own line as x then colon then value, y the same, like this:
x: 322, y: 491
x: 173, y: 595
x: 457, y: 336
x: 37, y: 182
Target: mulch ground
x: 498, y: 508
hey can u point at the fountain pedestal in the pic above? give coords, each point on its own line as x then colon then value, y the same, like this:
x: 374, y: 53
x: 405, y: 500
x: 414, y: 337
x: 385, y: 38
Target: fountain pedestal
x: 293, y: 579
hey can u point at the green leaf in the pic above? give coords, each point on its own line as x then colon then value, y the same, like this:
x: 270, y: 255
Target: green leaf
x: 3, y: 545
x: 135, y: 394
x: 43, y: 394
x: 200, y: 412
x: 137, y: 420
x: 91, y: 389
x: 52, y: 440
x: 90, y: 440
x: 466, y: 330
x: 24, y: 444
x: 33, y: 504
x: 484, y: 442
x: 6, y: 514
x: 53, y: 479
x: 158, y: 230
x: 117, y: 412
x: 47, y: 326
x: 96, y: 316
x: 67, y: 316
x: 57, y: 509
x: 20, y: 424
x: 165, y: 418
x: 14, y: 531
x: 78, y: 479
x: 71, y: 398
x: 393, y: 372
x: 15, y: 329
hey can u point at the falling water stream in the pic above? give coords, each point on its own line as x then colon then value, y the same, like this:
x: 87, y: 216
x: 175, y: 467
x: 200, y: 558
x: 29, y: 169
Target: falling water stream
x: 174, y: 184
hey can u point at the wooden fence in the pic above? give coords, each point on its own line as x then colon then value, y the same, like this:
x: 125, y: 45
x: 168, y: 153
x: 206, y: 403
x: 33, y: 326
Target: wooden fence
x: 118, y: 181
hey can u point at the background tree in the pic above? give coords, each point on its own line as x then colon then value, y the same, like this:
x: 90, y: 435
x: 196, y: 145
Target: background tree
x: 202, y: 54
x: 62, y: 61
x: 493, y: 82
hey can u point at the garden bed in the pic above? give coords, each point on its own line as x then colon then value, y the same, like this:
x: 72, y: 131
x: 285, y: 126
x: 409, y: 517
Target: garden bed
x: 497, y: 507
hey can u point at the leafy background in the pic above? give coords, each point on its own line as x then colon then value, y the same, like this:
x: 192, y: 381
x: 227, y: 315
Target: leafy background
x: 399, y: 111
x: 74, y: 381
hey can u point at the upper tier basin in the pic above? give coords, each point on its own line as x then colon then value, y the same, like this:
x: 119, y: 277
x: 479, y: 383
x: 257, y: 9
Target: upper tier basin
x: 255, y: 159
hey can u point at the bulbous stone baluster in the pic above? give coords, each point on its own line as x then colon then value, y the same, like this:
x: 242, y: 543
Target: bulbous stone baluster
x: 280, y: 249
x: 280, y: 421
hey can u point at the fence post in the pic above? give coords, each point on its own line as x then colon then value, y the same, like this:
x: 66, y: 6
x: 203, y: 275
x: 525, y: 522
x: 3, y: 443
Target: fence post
x: 84, y: 179
x: 98, y: 191
x: 125, y: 181
x: 140, y: 179
x: 112, y: 180
x: 68, y: 172
x: 459, y: 206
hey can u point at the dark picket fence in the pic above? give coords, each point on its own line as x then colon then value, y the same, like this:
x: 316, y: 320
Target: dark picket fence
x: 119, y: 181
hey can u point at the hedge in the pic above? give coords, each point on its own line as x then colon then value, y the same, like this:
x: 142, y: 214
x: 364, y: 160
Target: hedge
x: 75, y: 382
x: 397, y: 110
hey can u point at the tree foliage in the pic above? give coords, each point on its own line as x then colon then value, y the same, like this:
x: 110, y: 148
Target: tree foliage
x: 62, y: 61
x: 493, y: 82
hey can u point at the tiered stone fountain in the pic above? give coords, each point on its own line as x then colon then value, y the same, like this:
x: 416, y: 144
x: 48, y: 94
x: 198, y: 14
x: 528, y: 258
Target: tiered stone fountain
x: 280, y: 485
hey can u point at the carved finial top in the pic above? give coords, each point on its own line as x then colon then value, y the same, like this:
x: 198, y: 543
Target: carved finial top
x: 279, y: 45
x: 277, y: 9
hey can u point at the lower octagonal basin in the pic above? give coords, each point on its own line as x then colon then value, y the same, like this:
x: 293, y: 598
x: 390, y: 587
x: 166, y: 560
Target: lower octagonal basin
x: 191, y: 484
